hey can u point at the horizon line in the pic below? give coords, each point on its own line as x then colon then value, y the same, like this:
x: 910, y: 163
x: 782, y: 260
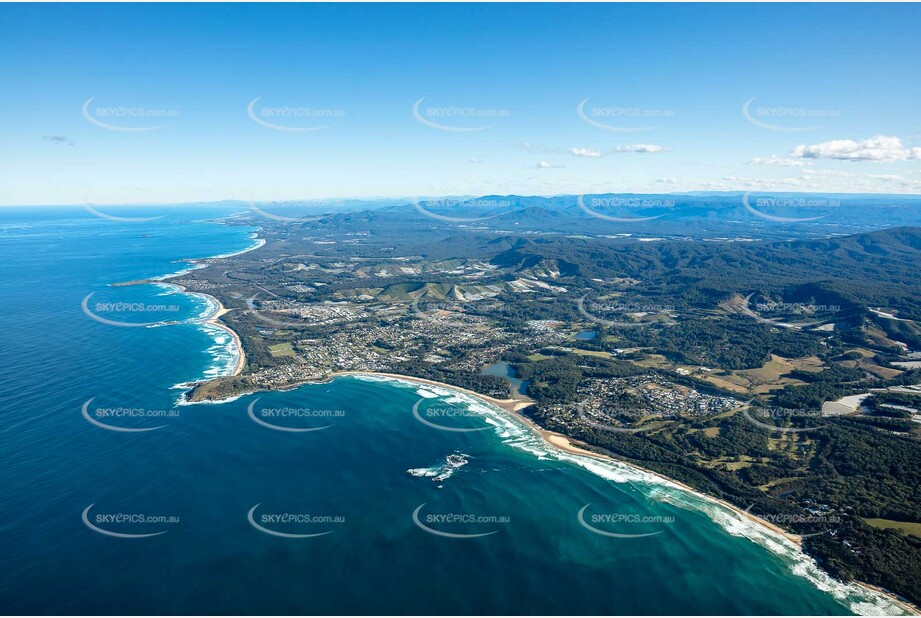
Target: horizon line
x: 411, y: 199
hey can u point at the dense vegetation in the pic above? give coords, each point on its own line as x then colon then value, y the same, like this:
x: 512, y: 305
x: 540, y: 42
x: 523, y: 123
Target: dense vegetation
x: 487, y: 385
x: 855, y: 471
x: 732, y: 343
x: 857, y: 467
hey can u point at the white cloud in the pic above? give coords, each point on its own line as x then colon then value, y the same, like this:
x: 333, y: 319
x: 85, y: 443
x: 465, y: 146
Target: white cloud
x: 474, y: 160
x: 592, y: 153
x: 544, y: 165
x: 528, y: 147
x: 776, y: 161
x: 877, y: 148
x: 666, y: 181
x: 645, y: 148
x: 586, y: 152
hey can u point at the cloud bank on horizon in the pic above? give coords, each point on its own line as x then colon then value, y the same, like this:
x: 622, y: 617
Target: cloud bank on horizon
x: 161, y: 103
x: 878, y: 148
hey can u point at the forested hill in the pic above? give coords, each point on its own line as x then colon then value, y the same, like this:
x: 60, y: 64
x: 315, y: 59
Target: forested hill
x: 880, y: 267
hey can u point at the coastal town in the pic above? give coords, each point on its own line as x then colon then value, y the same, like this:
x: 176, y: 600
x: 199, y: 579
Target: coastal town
x: 601, y: 365
x: 479, y: 309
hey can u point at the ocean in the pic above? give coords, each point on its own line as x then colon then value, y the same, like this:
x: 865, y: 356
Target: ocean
x: 329, y: 499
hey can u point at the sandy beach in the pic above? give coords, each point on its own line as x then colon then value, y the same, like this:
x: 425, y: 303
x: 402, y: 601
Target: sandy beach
x: 554, y: 440
x: 221, y: 309
x: 568, y: 445
x: 213, y: 320
x: 509, y: 405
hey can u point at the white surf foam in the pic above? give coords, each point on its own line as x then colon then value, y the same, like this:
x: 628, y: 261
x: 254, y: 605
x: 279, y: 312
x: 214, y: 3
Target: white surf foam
x: 860, y: 600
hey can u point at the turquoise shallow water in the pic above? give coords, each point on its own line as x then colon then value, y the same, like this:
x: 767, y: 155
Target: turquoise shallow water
x: 211, y: 476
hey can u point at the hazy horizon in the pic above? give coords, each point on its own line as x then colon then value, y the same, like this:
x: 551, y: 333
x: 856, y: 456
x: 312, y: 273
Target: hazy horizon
x: 317, y: 201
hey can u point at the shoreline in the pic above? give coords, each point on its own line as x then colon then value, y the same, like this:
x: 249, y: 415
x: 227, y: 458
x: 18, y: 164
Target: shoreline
x: 221, y: 310
x: 238, y: 343
x: 553, y: 440
x: 569, y: 445
x: 212, y: 320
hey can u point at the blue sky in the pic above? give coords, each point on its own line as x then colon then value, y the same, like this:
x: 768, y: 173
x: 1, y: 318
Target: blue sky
x: 836, y: 91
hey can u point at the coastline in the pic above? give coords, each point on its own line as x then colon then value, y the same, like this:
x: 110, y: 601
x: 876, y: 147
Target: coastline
x: 213, y: 319
x: 566, y: 444
x: 221, y: 309
x: 238, y: 343
x: 554, y: 440
x: 569, y: 445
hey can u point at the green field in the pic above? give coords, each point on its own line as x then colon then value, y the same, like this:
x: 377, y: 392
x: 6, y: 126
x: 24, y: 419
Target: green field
x: 281, y: 349
x: 598, y: 353
x: 905, y: 527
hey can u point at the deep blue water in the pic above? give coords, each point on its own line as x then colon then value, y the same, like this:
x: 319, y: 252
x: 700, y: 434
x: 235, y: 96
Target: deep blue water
x: 210, y: 465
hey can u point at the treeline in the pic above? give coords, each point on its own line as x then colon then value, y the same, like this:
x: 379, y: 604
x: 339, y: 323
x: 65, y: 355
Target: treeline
x: 845, y: 469
x: 552, y: 380
x: 865, y: 473
x: 830, y: 384
x: 492, y: 386
x: 875, y: 269
x: 734, y: 342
